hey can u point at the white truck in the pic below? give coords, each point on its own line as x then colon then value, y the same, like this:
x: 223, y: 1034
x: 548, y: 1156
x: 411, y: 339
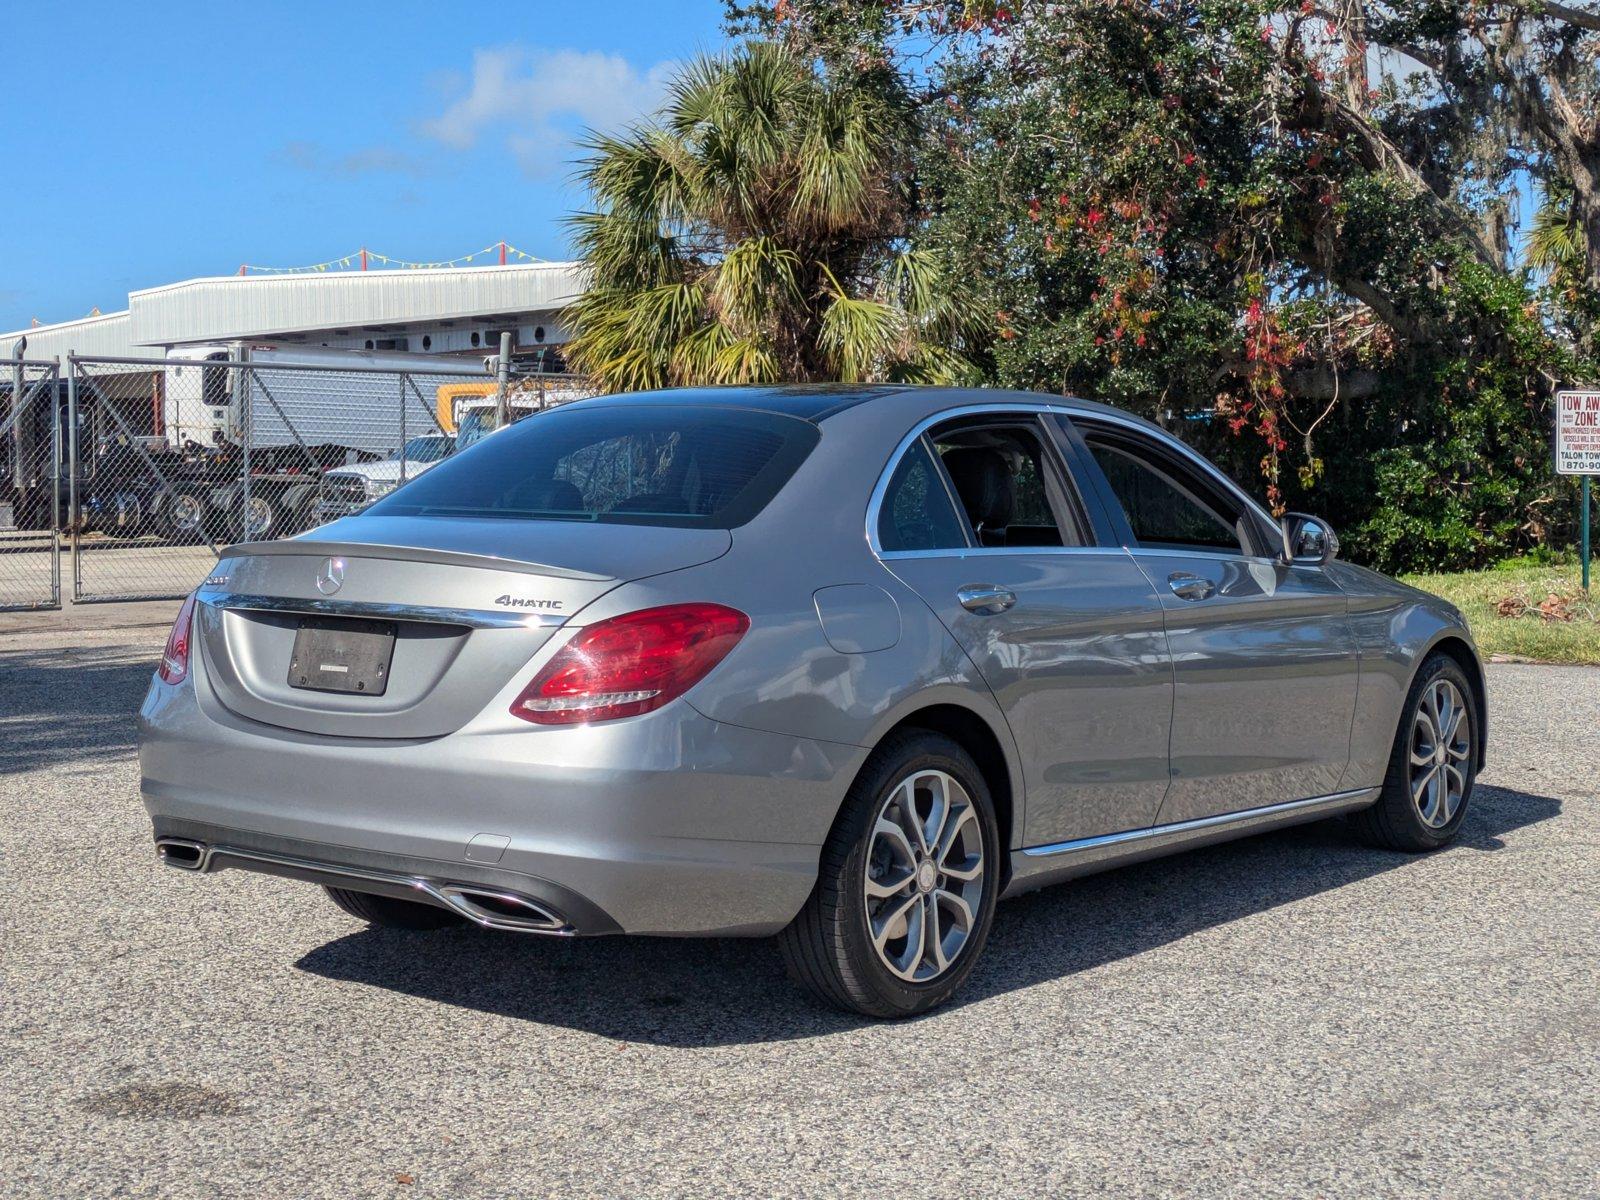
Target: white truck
x: 249, y: 448
x: 469, y: 413
x: 355, y: 400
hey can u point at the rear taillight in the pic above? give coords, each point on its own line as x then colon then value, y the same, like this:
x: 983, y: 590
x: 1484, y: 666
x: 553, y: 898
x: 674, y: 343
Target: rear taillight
x: 175, y: 658
x: 631, y: 664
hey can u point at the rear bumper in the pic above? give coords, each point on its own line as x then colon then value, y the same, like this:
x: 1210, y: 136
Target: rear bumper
x: 668, y: 824
x: 492, y: 898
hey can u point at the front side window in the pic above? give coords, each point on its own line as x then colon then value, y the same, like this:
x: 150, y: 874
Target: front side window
x: 692, y: 466
x: 1167, y: 507
x: 916, y: 513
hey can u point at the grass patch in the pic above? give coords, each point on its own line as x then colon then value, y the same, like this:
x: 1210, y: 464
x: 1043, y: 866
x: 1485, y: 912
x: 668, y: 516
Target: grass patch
x: 1526, y: 609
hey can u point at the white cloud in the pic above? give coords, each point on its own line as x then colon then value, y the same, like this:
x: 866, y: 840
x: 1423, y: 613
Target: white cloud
x: 539, y: 99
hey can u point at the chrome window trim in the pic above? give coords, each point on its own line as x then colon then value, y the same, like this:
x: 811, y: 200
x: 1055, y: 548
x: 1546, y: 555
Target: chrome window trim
x: 970, y: 551
x: 1000, y: 409
x: 875, y: 503
x: 1202, y: 552
x: 472, y: 618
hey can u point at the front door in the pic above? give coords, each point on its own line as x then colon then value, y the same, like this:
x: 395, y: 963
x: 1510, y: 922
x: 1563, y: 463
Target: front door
x: 1264, y: 660
x: 1068, y: 634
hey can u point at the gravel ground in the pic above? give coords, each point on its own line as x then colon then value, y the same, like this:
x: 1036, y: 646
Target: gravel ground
x: 1286, y: 1016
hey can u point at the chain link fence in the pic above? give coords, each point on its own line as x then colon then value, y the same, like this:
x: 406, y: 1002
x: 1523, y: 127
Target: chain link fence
x: 169, y: 460
x: 32, y: 409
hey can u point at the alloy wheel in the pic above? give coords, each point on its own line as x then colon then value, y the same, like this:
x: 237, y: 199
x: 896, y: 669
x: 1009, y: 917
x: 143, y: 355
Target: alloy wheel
x: 186, y: 514
x: 1441, y: 753
x: 924, y: 876
x: 258, y: 517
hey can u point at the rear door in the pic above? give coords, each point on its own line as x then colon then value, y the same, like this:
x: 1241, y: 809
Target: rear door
x: 1264, y: 660
x: 981, y: 520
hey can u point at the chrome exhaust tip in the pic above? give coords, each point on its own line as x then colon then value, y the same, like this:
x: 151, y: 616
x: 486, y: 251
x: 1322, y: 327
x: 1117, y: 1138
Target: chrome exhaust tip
x: 495, y: 909
x: 183, y: 854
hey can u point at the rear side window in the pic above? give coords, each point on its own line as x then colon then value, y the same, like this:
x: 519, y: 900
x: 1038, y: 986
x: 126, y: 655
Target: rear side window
x: 1008, y: 484
x: 690, y: 466
x: 917, y: 513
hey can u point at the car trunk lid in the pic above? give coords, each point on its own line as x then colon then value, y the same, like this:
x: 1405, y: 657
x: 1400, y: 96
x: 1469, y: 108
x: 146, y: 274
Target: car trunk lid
x: 423, y: 620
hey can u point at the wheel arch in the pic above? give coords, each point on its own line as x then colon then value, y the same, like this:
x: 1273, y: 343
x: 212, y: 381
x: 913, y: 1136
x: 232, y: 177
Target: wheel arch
x: 1459, y: 650
x: 974, y: 734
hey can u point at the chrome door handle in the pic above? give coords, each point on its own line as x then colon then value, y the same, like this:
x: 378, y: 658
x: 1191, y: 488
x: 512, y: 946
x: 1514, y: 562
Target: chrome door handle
x: 1190, y: 587
x: 986, y: 599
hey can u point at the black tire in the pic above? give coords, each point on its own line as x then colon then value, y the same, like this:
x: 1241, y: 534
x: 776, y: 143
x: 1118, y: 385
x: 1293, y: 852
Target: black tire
x: 1395, y: 822
x: 299, y: 506
x: 390, y: 913
x: 827, y: 948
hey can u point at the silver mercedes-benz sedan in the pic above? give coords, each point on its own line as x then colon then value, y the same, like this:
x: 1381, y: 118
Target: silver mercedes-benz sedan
x: 844, y: 665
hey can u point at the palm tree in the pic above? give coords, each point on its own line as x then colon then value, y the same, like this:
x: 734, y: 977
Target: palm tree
x: 1556, y: 247
x: 755, y: 231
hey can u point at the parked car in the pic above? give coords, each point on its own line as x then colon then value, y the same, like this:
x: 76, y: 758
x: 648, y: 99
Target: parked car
x: 349, y: 489
x: 843, y: 665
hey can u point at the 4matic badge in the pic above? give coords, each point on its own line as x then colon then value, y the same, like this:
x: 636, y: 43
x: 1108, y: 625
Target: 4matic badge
x: 509, y: 601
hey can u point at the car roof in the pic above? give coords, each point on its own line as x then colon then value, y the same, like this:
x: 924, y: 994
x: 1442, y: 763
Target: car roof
x: 808, y: 401
x: 818, y: 401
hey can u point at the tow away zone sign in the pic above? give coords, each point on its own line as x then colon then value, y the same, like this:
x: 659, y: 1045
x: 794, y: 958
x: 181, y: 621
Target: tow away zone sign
x: 1578, y: 433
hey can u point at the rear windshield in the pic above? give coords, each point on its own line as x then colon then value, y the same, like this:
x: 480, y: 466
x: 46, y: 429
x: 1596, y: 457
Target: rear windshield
x: 688, y: 466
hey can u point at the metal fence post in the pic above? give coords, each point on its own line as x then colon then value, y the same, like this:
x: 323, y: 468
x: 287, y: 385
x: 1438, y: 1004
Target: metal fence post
x: 72, y: 473
x: 14, y: 426
x: 402, y: 426
x: 245, y: 379
x: 55, y: 486
x: 502, y: 410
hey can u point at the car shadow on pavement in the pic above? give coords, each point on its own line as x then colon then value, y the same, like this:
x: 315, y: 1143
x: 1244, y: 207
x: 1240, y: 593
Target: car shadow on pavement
x: 70, y: 706
x: 710, y: 992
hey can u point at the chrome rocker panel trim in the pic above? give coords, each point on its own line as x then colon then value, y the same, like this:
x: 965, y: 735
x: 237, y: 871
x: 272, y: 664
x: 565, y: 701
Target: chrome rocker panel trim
x: 456, y: 897
x: 1035, y: 866
x: 472, y: 618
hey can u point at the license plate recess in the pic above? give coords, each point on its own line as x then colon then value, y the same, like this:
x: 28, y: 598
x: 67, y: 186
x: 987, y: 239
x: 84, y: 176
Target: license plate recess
x: 342, y: 655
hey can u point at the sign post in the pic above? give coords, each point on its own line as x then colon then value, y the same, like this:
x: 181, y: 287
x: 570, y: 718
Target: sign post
x: 1578, y: 452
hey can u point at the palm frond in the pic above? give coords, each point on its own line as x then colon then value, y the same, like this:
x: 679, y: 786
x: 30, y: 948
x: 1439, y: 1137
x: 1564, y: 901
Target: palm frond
x: 745, y: 360
x: 859, y: 336
x: 694, y: 358
x: 754, y: 279
x: 1556, y: 242
x: 718, y: 233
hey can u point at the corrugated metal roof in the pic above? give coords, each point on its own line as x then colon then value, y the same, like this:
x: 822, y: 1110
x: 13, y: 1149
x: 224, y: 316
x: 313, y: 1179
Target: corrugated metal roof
x: 108, y: 334
x: 232, y: 306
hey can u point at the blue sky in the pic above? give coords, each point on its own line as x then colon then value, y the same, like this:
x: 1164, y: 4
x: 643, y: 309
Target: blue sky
x: 148, y: 143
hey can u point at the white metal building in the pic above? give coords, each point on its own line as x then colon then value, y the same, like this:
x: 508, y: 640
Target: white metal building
x: 449, y: 310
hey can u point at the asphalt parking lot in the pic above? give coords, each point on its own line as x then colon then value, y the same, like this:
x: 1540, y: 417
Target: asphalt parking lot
x: 1291, y: 1015
x: 105, y: 566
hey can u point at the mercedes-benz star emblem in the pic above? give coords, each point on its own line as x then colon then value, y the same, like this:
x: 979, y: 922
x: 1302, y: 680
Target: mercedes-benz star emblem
x: 330, y: 576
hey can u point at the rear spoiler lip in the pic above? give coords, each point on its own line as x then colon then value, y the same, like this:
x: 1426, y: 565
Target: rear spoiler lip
x: 427, y: 614
x: 455, y: 558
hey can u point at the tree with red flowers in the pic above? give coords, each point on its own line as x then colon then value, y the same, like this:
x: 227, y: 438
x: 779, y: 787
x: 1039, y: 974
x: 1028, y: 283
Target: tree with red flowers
x: 1282, y: 229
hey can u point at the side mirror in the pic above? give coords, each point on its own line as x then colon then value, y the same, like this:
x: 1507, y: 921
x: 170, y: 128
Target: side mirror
x: 1308, y: 540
